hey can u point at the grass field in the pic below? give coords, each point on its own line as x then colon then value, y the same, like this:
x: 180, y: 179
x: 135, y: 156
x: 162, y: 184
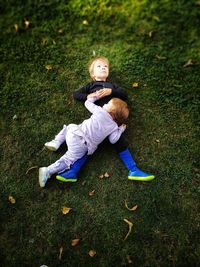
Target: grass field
x: 45, y: 48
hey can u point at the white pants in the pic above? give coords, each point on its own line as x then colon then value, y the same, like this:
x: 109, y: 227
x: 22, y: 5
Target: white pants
x: 77, y: 148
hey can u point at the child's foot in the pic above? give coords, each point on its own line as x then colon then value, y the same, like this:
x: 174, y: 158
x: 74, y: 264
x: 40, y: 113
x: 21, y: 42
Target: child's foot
x: 43, y: 176
x: 139, y: 175
x: 52, y: 145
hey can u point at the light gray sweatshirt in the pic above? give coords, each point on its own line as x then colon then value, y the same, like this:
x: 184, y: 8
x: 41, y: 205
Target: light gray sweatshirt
x: 99, y: 126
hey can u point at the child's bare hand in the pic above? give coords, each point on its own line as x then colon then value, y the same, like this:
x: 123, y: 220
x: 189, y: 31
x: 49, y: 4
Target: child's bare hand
x: 101, y: 93
x: 124, y: 126
x: 104, y: 92
x: 92, y: 95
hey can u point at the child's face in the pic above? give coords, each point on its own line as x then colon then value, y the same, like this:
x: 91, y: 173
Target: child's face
x: 100, y: 70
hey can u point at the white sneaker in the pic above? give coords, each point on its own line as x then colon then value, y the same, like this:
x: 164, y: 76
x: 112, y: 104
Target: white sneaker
x: 52, y: 145
x: 43, y: 176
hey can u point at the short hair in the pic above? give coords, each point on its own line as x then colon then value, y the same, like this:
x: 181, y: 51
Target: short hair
x: 120, y: 111
x: 92, y: 61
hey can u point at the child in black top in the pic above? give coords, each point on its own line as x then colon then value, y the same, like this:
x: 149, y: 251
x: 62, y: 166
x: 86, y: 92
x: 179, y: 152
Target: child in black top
x: 100, y: 87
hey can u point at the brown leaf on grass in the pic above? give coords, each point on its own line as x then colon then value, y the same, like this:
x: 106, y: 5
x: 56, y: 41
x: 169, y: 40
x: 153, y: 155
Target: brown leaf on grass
x: 91, y: 193
x: 60, y: 253
x: 74, y: 242
x: 26, y: 23
x: 105, y: 175
x: 151, y: 34
x: 188, y: 63
x: 14, y: 117
x: 31, y: 168
x: 16, y: 26
x: 160, y: 57
x: 135, y: 85
x: 131, y: 209
x: 61, y: 31
x: 66, y: 210
x: 92, y: 253
x: 85, y: 22
x: 12, y: 199
x: 48, y: 67
x: 130, y: 225
x: 129, y: 259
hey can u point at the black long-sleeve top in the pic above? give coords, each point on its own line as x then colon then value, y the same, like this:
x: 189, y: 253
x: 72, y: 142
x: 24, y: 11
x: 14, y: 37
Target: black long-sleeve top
x: 82, y: 93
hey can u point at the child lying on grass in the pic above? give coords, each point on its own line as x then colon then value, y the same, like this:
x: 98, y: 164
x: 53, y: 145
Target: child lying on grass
x: 107, y: 121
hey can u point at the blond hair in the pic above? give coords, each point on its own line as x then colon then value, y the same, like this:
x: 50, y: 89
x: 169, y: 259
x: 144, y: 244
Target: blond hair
x: 91, y: 64
x: 119, y: 111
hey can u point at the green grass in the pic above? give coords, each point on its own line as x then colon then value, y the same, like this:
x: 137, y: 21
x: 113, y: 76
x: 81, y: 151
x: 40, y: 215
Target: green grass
x: 147, y: 42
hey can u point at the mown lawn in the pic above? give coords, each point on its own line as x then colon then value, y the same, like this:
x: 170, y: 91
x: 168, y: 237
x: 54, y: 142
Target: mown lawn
x: 153, y: 43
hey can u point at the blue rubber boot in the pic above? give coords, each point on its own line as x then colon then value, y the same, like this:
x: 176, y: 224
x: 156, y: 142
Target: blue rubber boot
x: 71, y: 174
x: 134, y: 172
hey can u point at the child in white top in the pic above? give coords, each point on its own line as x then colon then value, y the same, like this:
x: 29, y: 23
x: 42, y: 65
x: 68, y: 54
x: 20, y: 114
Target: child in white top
x: 107, y: 121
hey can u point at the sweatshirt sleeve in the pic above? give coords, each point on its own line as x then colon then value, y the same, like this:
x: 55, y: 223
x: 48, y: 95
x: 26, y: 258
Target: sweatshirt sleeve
x: 114, y: 136
x: 119, y: 92
x: 82, y: 93
x: 89, y: 104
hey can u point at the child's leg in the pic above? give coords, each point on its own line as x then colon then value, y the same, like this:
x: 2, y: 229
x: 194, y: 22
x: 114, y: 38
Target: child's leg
x: 77, y: 150
x: 134, y: 172
x: 75, y: 144
x: 71, y: 174
x: 58, y: 140
x: 46, y: 172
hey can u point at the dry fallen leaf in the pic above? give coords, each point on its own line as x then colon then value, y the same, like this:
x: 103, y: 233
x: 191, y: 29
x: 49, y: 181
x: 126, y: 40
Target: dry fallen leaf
x: 130, y: 225
x: 74, y: 242
x: 92, y: 253
x: 91, y: 194
x: 188, y: 63
x: 61, y: 31
x: 131, y: 209
x: 160, y: 57
x: 31, y: 168
x: 60, y: 253
x: 129, y: 259
x: 105, y: 175
x: 151, y: 34
x: 85, y: 22
x: 12, y: 199
x: 48, y: 67
x: 15, y: 117
x: 65, y: 210
x: 135, y: 85
x: 16, y: 27
x: 26, y: 23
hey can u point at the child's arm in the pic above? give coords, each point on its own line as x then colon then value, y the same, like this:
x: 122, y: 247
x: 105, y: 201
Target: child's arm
x: 89, y: 104
x: 114, y: 136
x: 82, y: 93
